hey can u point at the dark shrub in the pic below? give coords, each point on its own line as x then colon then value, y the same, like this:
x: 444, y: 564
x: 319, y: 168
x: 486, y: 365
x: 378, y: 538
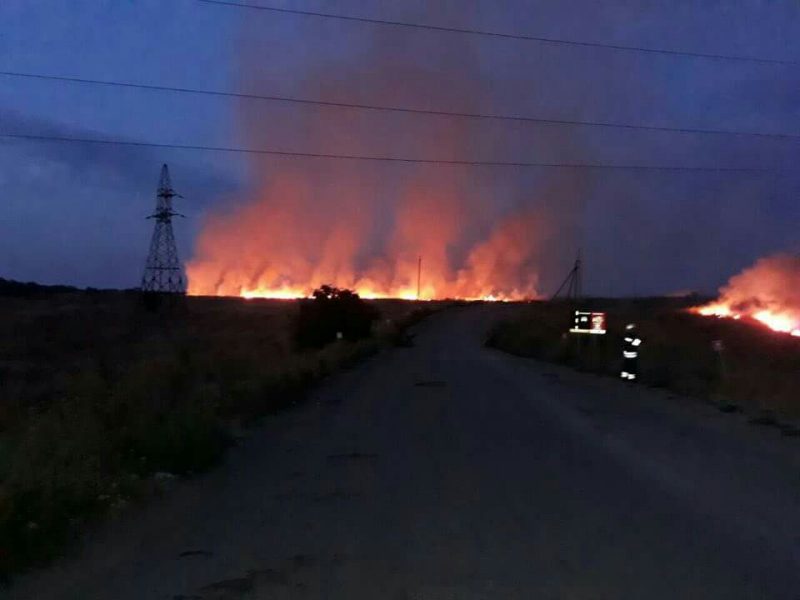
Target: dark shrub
x: 332, y: 311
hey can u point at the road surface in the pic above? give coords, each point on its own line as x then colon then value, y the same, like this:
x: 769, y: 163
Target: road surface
x: 448, y: 471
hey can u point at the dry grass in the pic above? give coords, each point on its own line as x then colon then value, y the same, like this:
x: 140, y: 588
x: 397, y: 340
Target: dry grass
x: 759, y: 370
x: 97, y: 395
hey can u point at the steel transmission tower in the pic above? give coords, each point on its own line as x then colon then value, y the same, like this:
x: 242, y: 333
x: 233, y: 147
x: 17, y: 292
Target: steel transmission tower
x: 163, y: 272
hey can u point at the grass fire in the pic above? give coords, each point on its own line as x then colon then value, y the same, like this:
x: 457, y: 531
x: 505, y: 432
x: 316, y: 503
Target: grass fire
x: 767, y: 292
x: 270, y: 248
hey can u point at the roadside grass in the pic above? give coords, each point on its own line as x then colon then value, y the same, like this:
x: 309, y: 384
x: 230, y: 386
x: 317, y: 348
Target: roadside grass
x: 758, y: 370
x: 98, y: 395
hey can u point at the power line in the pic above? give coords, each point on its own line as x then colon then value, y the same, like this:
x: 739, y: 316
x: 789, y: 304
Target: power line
x: 512, y: 36
x: 471, y: 163
x: 396, y: 109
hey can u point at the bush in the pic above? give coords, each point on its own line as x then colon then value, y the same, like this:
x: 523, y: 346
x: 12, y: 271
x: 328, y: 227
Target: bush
x: 331, y: 312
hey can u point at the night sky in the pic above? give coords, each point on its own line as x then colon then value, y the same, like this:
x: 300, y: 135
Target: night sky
x: 75, y: 214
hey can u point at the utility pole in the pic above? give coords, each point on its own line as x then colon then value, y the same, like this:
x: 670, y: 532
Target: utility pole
x: 572, y: 282
x: 419, y: 276
x: 163, y: 272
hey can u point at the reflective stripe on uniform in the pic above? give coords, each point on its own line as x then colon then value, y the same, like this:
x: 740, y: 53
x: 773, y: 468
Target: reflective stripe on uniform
x: 636, y: 342
x: 629, y: 354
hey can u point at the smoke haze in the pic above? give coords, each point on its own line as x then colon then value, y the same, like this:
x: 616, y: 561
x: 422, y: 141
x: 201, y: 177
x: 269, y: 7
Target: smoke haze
x: 481, y: 232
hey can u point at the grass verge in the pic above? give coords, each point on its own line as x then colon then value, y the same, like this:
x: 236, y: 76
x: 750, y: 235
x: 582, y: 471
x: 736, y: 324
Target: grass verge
x: 101, y: 400
x: 758, y: 370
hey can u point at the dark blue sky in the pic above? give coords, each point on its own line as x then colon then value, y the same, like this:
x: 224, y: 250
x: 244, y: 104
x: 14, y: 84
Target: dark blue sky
x: 75, y: 214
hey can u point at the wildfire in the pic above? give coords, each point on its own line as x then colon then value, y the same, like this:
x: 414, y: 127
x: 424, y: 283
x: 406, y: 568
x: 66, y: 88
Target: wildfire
x: 281, y: 246
x: 767, y: 292
x: 285, y: 293
x: 294, y: 293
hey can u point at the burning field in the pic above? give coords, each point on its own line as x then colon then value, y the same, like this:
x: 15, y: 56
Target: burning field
x: 388, y: 229
x: 767, y: 292
x: 280, y: 247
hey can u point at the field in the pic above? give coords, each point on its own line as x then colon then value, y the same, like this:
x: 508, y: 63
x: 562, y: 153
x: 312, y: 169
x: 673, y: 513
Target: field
x: 758, y: 370
x: 100, y: 399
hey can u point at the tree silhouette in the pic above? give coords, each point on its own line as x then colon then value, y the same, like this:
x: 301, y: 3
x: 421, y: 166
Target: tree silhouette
x: 332, y: 313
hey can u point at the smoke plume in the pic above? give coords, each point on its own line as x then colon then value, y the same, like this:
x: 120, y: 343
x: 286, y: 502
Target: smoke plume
x: 480, y: 232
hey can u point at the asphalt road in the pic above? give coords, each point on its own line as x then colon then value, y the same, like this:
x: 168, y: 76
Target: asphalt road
x: 448, y: 471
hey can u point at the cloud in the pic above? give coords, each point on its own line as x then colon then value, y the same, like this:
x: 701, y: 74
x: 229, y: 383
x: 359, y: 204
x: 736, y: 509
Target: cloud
x: 125, y: 167
x: 75, y: 213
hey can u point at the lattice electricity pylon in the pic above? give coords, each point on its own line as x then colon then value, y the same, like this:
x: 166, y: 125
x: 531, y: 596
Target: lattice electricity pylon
x: 163, y: 272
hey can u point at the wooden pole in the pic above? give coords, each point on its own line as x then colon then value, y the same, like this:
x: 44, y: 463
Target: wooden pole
x: 419, y: 276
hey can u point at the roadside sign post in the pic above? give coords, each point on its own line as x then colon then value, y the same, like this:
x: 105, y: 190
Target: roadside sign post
x: 719, y: 348
x: 588, y: 323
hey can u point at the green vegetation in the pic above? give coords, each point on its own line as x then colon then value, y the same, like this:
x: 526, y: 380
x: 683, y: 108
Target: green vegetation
x: 98, y: 394
x: 757, y: 371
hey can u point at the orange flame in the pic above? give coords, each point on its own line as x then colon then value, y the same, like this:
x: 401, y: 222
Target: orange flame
x: 768, y: 292
x: 281, y: 246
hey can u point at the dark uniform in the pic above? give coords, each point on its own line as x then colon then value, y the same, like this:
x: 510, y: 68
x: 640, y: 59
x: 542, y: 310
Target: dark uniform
x: 630, y: 353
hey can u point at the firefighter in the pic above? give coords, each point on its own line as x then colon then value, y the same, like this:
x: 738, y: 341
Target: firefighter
x: 630, y: 353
